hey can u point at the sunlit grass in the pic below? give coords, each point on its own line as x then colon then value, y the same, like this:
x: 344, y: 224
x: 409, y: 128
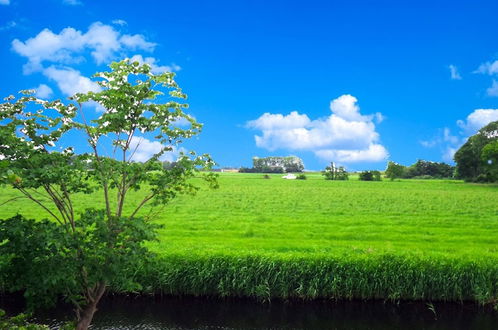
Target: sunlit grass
x: 411, y: 238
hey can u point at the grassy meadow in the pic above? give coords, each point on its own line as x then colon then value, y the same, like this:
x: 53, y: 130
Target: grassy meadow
x: 408, y: 239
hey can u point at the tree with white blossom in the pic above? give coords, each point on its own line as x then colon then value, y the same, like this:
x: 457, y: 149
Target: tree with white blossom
x: 83, y: 253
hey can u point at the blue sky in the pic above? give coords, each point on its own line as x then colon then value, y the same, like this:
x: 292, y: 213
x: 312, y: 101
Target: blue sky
x: 355, y: 82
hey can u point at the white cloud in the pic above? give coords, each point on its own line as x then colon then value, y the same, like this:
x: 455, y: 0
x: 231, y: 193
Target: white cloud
x: 379, y: 118
x: 136, y: 41
x: 490, y: 68
x: 374, y: 153
x: 344, y: 136
x: 493, y: 90
x: 143, y: 149
x: 449, y: 153
x: 120, y: 22
x: 4, y: 2
x: 72, y: 2
x: 429, y: 143
x: 7, y: 26
x: 477, y: 119
x: 43, y: 91
x: 345, y: 107
x: 443, y: 138
x: 155, y: 68
x: 455, y: 75
x: 67, y: 47
x: 70, y: 81
x: 448, y: 137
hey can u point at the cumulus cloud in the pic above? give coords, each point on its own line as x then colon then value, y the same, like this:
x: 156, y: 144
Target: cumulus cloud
x: 454, y: 74
x: 55, y: 54
x: 477, y: 119
x: 155, y: 67
x: 143, y: 149
x: 344, y: 136
x: 374, y: 153
x: 43, y: 91
x: 66, y: 47
x: 490, y: 68
x: 70, y: 81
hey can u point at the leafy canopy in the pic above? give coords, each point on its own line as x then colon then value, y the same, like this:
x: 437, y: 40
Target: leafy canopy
x: 79, y: 254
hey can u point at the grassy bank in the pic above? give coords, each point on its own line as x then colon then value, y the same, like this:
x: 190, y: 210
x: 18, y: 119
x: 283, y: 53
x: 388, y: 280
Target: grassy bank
x: 353, y: 276
x: 434, y: 239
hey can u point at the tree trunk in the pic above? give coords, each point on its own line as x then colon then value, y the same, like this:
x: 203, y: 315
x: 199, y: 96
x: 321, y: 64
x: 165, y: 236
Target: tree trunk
x: 85, y: 317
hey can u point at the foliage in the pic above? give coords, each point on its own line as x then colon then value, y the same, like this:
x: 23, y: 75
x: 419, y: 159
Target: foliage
x: 266, y: 176
x: 301, y: 176
x: 422, y: 169
x: 370, y: 176
x: 394, y: 170
x: 333, y: 172
x: 101, y: 243
x: 18, y: 322
x: 277, y: 164
x: 37, y: 247
x: 471, y: 163
x: 489, y: 155
x: 426, y: 168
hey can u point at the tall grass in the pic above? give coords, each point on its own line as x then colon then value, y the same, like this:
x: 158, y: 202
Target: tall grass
x: 386, y: 276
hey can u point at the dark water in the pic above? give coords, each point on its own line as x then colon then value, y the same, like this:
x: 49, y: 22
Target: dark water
x: 205, y: 313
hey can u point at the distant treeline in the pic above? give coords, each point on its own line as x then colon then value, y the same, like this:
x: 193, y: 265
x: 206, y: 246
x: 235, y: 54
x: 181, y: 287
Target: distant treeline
x: 274, y: 165
x: 422, y: 169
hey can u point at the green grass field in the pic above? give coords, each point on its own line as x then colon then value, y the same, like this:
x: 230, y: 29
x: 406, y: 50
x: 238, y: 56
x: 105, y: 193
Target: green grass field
x: 409, y: 239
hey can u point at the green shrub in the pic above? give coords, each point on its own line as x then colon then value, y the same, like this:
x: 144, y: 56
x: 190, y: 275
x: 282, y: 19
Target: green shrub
x: 370, y: 176
x: 18, y: 322
x: 301, y: 177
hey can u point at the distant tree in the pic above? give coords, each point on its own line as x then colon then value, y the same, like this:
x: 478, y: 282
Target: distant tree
x: 365, y: 176
x: 277, y: 164
x: 333, y: 172
x: 394, y: 170
x: 471, y: 163
x: 370, y: 176
x: 247, y: 170
x: 428, y: 169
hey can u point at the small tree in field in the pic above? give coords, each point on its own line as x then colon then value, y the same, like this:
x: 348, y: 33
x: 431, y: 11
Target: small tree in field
x: 333, y: 172
x: 78, y: 254
x: 394, y: 170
